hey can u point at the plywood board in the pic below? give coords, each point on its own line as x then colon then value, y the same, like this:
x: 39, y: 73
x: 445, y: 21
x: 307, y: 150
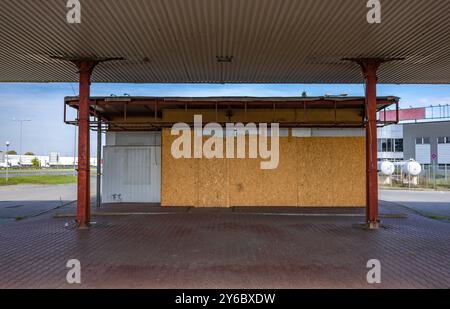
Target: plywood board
x: 312, y: 172
x: 179, y: 178
x: 350, y: 170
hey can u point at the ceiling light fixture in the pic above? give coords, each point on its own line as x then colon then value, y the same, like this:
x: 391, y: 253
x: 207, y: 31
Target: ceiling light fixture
x: 224, y: 59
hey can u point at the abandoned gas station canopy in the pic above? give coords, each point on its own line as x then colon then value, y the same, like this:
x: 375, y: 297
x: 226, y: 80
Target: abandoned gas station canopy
x: 239, y: 41
x: 235, y: 41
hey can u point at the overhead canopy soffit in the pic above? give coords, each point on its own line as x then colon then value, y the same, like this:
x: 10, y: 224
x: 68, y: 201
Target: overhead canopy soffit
x: 235, y: 41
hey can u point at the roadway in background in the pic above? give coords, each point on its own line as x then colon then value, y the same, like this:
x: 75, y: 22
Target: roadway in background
x: 429, y: 203
x: 21, y: 201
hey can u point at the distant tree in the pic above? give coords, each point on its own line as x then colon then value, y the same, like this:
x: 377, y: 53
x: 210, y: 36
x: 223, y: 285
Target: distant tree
x: 36, y: 163
x: 29, y: 153
x: 12, y: 152
x: 304, y: 94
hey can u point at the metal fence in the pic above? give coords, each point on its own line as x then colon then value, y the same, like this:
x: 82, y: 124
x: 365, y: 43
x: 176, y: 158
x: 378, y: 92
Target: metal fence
x: 434, y: 176
x: 437, y: 112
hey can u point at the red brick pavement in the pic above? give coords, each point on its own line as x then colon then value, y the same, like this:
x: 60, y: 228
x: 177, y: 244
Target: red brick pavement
x: 192, y: 248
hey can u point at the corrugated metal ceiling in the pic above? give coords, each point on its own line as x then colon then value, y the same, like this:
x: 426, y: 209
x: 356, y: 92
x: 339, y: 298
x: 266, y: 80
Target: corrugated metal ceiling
x: 271, y: 41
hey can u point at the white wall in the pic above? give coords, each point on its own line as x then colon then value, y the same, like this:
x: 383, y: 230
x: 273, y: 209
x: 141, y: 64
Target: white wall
x: 132, y: 167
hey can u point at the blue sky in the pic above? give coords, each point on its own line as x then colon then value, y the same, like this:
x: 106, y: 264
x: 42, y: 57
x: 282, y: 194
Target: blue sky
x: 43, y: 104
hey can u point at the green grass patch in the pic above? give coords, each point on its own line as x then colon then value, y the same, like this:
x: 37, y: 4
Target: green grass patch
x: 435, y: 217
x: 39, y: 179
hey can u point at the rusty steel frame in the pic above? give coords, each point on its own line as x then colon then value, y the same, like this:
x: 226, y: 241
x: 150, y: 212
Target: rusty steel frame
x: 383, y: 112
x: 369, y: 69
x: 87, y: 107
x: 156, y: 103
x: 85, y: 69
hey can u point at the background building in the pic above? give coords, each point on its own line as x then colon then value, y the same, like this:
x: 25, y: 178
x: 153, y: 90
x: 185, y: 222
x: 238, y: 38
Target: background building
x: 423, y: 134
x: 51, y: 160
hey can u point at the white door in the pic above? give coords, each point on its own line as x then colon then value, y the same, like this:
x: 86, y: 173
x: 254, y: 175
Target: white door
x: 131, y: 174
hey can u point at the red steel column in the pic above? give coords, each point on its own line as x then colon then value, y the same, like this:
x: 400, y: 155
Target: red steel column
x: 370, y: 75
x: 83, y: 186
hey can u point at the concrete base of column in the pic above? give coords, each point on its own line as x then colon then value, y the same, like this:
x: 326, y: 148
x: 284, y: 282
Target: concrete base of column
x: 374, y: 225
x: 83, y: 226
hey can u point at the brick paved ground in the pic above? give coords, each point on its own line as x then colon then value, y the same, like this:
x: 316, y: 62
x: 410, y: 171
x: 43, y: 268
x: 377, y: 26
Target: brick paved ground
x: 191, y: 248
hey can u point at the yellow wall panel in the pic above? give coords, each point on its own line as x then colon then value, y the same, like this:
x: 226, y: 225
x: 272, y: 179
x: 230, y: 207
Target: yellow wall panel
x: 257, y: 115
x: 312, y: 172
x: 212, y: 188
x: 179, y: 178
x: 350, y: 169
x: 250, y: 185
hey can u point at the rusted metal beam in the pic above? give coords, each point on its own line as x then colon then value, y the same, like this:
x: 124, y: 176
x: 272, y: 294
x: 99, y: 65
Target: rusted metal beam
x: 397, y: 112
x: 85, y: 69
x: 159, y: 125
x: 335, y: 112
x: 369, y: 69
x: 99, y: 162
x: 166, y: 102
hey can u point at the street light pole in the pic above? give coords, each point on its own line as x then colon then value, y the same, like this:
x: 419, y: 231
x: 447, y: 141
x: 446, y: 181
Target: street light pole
x: 7, y: 163
x: 21, y: 121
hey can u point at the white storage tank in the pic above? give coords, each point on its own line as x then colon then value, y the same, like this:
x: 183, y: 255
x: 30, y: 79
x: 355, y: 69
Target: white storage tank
x: 412, y: 168
x: 387, y: 168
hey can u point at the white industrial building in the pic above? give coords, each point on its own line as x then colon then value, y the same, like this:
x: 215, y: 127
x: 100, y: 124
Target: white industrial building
x: 426, y: 142
x: 51, y: 160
